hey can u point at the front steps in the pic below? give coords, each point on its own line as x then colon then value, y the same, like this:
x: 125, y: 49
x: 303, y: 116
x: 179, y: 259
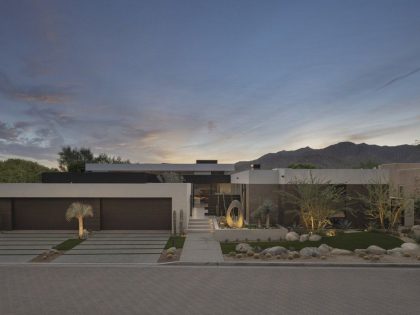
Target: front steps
x: 200, y: 225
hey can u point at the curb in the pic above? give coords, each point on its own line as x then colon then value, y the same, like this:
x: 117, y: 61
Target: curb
x: 294, y: 264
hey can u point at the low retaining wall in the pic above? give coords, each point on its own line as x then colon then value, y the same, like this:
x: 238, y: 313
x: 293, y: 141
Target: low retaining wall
x: 249, y: 234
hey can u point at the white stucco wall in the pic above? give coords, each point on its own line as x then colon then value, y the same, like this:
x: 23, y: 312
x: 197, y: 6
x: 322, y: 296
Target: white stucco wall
x: 289, y: 176
x: 179, y: 192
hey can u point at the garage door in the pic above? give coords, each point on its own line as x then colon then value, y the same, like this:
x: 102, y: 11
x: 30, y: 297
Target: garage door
x: 136, y: 214
x: 42, y: 214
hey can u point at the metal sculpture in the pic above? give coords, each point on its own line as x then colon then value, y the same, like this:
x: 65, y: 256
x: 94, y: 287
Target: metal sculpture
x: 232, y: 220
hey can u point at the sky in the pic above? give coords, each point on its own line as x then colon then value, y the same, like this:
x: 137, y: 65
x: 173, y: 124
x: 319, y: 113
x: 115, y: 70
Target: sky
x: 175, y: 81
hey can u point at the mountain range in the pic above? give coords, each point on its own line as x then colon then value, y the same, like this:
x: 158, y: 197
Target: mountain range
x: 340, y: 155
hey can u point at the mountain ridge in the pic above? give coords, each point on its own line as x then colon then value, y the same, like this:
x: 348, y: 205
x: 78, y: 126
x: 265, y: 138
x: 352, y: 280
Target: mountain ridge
x: 340, y: 155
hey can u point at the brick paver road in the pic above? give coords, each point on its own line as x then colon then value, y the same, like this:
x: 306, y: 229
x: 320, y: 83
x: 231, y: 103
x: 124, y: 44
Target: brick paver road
x: 115, y: 289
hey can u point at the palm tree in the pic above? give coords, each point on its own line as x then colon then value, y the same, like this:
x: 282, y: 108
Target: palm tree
x: 78, y: 211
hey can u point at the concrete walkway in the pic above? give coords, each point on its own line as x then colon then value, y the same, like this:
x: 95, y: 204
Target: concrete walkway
x: 201, y: 247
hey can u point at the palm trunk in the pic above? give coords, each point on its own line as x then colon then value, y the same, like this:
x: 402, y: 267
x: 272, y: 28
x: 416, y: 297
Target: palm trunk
x: 259, y: 223
x: 80, y: 227
x: 267, y: 222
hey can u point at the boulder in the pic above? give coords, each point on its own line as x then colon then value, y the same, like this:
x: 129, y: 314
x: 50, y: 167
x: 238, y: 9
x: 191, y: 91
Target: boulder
x: 304, y: 237
x: 375, y: 250
x: 292, y: 236
x: 415, y: 228
x: 410, y: 247
x: 315, y: 238
x: 243, y: 248
x: 339, y: 251
x: 397, y: 251
x: 310, y: 252
x: 324, y: 249
x: 274, y: 251
x: 360, y: 251
x: 171, y: 250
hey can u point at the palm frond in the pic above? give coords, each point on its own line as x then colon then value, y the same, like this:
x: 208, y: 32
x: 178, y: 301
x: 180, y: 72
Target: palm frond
x: 77, y: 210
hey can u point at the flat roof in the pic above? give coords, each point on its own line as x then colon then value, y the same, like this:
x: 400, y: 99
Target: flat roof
x: 163, y: 167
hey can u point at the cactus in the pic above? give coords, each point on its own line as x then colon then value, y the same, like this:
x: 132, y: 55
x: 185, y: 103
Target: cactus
x: 181, y: 222
x: 174, y: 222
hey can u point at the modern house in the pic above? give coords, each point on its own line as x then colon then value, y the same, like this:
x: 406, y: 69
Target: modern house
x: 143, y: 196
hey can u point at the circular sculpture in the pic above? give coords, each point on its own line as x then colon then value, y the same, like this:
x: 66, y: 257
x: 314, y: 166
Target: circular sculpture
x: 232, y: 220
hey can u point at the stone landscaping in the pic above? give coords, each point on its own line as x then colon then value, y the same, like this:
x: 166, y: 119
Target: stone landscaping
x: 314, y: 247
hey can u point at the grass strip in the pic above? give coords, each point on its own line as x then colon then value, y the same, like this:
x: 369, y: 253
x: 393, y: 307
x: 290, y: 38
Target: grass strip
x: 68, y: 244
x: 175, y: 241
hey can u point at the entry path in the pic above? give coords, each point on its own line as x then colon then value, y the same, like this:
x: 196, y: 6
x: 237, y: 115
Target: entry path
x: 201, y: 247
x: 71, y: 289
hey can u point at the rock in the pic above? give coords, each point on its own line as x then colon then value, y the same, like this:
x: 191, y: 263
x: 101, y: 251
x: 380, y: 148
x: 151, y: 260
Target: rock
x: 292, y: 236
x: 268, y: 255
x: 294, y: 254
x: 410, y: 247
x: 360, y: 251
x: 250, y: 253
x: 397, y: 251
x: 375, y: 250
x: 256, y: 255
x: 415, y: 227
x: 171, y: 250
x: 304, y: 237
x: 243, y: 248
x: 310, y: 252
x: 324, y: 249
x: 339, y: 251
x: 276, y: 250
x: 169, y: 256
x: 315, y: 238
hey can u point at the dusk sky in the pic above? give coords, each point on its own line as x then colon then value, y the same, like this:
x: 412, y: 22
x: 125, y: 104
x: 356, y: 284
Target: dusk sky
x: 176, y: 81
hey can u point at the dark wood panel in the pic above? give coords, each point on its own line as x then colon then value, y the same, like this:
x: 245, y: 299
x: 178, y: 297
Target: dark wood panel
x: 136, y: 214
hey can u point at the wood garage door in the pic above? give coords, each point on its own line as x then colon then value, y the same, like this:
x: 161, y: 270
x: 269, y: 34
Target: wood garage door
x: 42, y: 214
x: 136, y: 214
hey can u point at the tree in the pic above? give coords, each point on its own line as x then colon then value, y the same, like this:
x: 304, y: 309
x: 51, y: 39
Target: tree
x: 264, y: 211
x: 21, y: 171
x: 316, y: 201
x: 381, y: 206
x: 79, y: 211
x: 302, y: 166
x: 74, y: 159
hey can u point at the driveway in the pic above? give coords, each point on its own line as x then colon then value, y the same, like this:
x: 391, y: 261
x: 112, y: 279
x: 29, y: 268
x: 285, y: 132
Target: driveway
x: 118, y: 247
x: 22, y: 246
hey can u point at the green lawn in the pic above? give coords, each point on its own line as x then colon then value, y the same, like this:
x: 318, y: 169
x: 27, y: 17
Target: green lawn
x: 68, y: 244
x: 349, y: 241
x: 179, y: 242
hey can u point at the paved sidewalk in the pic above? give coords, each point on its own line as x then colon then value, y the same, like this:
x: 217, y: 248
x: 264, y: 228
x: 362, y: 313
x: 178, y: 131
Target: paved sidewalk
x: 201, y: 247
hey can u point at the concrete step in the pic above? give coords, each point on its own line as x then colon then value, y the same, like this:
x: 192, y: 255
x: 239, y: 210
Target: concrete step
x: 199, y: 230
x: 199, y: 224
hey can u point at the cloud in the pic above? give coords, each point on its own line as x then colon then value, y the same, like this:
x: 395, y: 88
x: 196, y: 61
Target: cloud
x: 8, y: 133
x: 46, y: 94
x: 400, y: 77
